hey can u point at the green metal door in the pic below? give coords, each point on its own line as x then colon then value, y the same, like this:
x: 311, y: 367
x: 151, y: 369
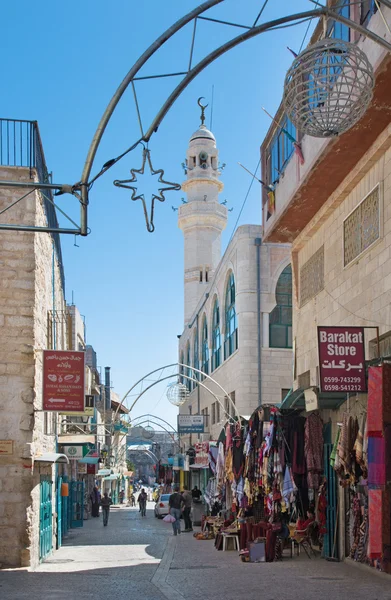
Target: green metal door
x: 45, y: 521
x: 331, y: 512
x: 59, y: 513
x: 77, y: 503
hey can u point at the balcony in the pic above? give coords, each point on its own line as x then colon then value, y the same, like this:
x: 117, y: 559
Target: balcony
x: 302, y: 189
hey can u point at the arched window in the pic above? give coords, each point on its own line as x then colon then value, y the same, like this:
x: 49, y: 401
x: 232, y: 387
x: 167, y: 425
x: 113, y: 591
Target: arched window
x: 205, y: 347
x: 280, y: 321
x: 188, y: 382
x: 216, y: 337
x: 231, y: 327
x: 196, y: 359
x: 181, y: 371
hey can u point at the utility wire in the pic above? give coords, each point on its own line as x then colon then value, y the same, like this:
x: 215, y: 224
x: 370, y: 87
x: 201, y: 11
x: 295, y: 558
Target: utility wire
x: 245, y: 199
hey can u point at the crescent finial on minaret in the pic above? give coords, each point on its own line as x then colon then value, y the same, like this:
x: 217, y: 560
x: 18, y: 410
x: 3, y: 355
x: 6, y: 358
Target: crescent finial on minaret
x: 202, y: 107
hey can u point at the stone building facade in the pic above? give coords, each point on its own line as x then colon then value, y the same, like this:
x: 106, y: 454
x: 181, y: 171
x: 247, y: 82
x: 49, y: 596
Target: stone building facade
x: 31, y: 286
x: 335, y: 210
x: 233, y: 330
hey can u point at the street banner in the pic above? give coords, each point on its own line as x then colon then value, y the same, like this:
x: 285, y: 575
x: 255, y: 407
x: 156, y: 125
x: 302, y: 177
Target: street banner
x: 342, y: 359
x: 63, y: 381
x: 190, y: 424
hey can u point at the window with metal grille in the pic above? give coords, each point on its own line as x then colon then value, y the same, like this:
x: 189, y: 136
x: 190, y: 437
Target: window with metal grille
x: 361, y: 228
x: 205, y: 348
x: 280, y: 321
x: 216, y: 337
x: 213, y: 413
x: 231, y: 327
x: 312, y: 276
x: 217, y: 412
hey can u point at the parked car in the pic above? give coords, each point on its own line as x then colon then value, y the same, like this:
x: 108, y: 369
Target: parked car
x: 161, y: 506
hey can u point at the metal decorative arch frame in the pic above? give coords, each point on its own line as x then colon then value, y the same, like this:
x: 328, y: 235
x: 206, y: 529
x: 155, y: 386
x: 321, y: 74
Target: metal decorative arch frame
x: 170, y: 433
x: 81, y: 189
x: 178, y: 375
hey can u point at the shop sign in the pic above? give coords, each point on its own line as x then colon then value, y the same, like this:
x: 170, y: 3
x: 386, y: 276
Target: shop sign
x: 63, y: 381
x: 202, y: 455
x: 82, y: 468
x: 91, y: 469
x: 6, y: 447
x: 190, y: 424
x: 311, y: 399
x: 73, y: 451
x: 178, y: 462
x: 342, y: 359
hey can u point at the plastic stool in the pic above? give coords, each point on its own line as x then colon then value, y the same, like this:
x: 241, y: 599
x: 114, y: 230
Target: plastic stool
x: 230, y: 536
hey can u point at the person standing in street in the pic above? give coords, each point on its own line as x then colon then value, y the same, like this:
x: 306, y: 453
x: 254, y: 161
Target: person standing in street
x: 95, y: 501
x: 105, y: 503
x: 187, y: 502
x: 196, y: 493
x: 142, y: 501
x: 175, y: 503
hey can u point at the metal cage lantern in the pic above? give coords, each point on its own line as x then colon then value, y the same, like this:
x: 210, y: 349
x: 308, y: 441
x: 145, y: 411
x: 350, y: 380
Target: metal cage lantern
x: 328, y: 88
x: 148, y: 432
x: 177, y: 393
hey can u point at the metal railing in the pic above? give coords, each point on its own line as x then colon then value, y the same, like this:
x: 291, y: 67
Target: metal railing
x: 21, y: 146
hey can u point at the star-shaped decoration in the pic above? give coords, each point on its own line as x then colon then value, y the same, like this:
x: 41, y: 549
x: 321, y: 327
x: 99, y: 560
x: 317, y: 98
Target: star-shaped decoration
x: 168, y: 185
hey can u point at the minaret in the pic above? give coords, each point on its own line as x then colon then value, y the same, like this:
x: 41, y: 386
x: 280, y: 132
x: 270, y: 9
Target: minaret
x: 202, y: 218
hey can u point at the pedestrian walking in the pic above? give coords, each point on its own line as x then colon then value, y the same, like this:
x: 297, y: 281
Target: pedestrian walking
x: 142, y: 501
x: 175, y: 503
x: 95, y: 501
x: 132, y: 500
x: 187, y: 502
x: 105, y: 503
x: 121, y: 496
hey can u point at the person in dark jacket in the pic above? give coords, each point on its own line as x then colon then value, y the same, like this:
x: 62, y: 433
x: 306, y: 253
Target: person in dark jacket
x: 175, y: 503
x: 105, y: 504
x: 142, y: 501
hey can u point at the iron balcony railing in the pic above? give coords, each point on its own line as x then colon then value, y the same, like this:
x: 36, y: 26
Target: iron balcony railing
x: 21, y: 146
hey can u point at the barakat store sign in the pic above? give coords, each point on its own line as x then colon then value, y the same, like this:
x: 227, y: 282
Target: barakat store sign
x: 342, y: 359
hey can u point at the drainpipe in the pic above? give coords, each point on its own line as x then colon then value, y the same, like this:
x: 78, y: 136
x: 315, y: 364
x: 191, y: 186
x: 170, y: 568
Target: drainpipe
x: 258, y: 242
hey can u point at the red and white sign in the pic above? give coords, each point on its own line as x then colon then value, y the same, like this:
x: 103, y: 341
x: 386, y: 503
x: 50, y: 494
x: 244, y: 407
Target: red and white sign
x: 202, y: 454
x: 63, y: 380
x: 342, y: 359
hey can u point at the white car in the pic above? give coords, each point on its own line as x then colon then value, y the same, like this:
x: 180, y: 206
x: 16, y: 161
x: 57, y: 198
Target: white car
x: 161, y: 507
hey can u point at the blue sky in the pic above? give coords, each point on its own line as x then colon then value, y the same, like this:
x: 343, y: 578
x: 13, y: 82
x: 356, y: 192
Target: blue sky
x: 62, y: 63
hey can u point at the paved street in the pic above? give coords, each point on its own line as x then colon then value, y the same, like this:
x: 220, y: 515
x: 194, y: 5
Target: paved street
x: 139, y: 558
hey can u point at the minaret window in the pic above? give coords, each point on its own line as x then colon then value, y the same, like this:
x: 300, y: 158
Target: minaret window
x: 193, y: 161
x: 196, y: 360
x: 231, y: 328
x: 216, y: 337
x: 206, y: 276
x: 201, y: 276
x: 205, y: 347
x: 189, y: 383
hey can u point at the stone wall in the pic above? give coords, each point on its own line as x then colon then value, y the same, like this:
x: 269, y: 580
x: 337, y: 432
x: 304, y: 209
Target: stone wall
x: 26, y: 295
x: 239, y: 373
x: 356, y: 294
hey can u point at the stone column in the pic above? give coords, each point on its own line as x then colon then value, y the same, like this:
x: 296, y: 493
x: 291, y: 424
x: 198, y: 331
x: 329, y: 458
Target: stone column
x: 265, y: 330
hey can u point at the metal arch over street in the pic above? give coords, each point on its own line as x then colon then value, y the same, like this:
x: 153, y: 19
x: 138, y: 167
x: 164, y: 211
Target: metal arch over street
x: 158, y: 418
x: 150, y: 420
x: 321, y: 11
x: 81, y: 189
x: 180, y: 374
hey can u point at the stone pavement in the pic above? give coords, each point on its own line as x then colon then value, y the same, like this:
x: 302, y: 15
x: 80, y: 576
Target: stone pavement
x: 139, y: 558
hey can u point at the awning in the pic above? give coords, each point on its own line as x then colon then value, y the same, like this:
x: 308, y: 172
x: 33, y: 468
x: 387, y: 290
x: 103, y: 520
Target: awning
x: 111, y: 478
x: 52, y: 457
x: 327, y: 400
x: 73, y: 440
x: 89, y: 460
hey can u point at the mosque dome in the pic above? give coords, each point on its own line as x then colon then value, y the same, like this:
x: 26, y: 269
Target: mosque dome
x: 203, y: 133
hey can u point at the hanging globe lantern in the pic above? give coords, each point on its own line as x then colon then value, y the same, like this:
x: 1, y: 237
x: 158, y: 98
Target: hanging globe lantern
x: 177, y: 393
x: 148, y: 432
x: 328, y: 88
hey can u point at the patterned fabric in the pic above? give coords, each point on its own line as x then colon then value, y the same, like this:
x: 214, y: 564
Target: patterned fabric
x: 376, y: 462
x: 314, y: 449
